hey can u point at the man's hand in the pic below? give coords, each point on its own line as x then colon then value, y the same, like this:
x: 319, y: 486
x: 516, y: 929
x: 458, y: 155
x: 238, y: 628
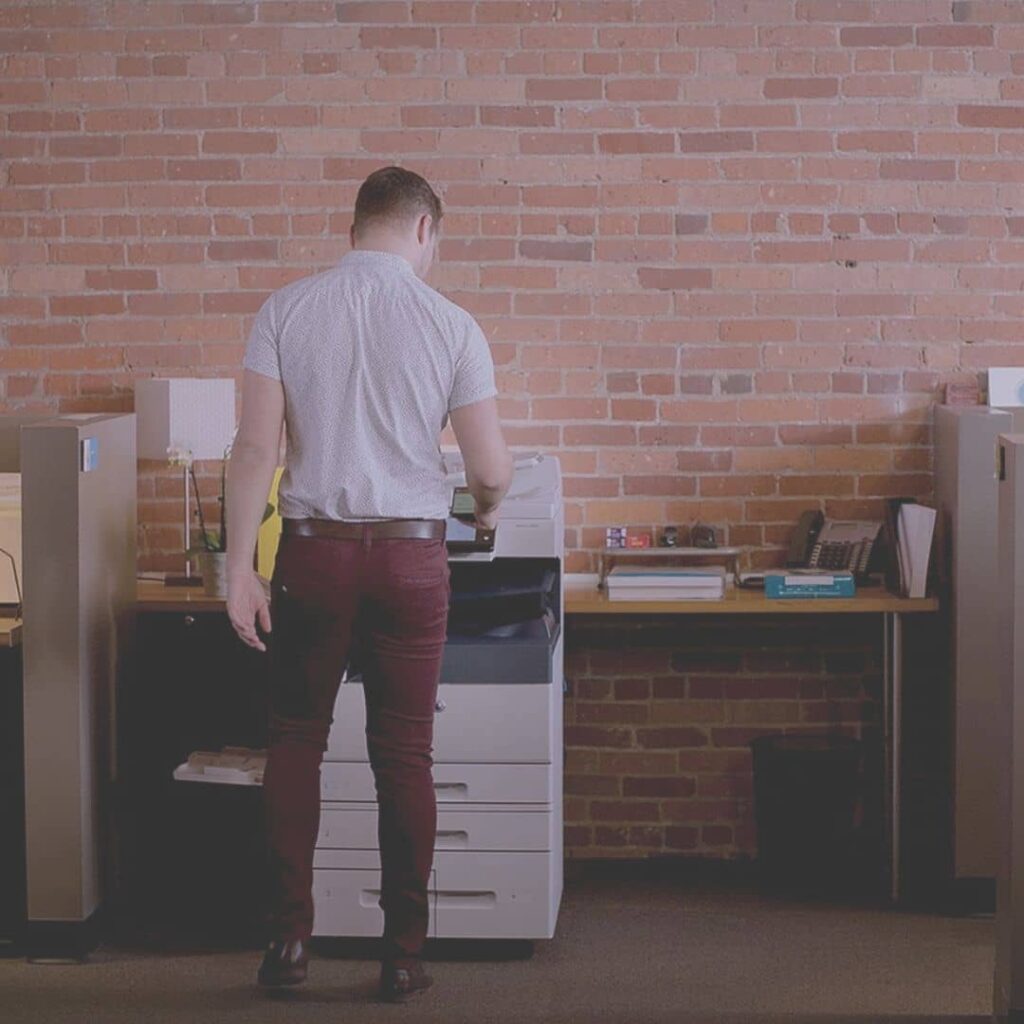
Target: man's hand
x: 486, y: 520
x: 247, y: 605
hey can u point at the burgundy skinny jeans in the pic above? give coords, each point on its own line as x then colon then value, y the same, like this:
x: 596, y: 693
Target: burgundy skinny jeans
x: 388, y: 598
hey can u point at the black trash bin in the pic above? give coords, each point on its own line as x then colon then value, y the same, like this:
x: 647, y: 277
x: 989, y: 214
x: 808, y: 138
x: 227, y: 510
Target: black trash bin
x: 808, y: 805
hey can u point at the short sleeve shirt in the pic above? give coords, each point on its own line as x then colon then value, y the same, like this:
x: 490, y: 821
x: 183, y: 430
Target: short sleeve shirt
x: 372, y: 360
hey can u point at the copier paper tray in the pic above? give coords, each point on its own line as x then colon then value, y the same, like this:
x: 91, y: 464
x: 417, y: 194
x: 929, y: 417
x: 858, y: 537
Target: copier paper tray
x: 503, y: 623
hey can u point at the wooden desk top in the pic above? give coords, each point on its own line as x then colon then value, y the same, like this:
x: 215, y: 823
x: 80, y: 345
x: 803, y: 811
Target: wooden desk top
x: 586, y: 599
x: 10, y: 632
x: 154, y: 596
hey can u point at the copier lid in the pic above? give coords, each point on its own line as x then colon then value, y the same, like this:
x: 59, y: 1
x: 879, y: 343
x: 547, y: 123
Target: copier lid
x: 536, y: 491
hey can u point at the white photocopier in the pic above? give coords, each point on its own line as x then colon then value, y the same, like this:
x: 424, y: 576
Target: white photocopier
x: 497, y: 743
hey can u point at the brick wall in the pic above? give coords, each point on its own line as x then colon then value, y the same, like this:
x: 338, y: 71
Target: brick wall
x: 726, y: 251
x: 661, y: 715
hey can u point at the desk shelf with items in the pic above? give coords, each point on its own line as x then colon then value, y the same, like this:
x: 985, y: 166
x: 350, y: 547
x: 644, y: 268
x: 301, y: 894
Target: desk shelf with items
x: 192, y: 856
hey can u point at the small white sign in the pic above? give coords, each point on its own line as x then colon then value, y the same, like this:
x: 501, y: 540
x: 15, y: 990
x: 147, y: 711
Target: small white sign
x: 90, y: 453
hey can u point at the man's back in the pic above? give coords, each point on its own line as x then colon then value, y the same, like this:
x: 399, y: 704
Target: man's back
x: 371, y: 360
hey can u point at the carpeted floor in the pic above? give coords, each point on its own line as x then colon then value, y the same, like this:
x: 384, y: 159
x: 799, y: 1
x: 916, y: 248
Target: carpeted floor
x: 626, y: 951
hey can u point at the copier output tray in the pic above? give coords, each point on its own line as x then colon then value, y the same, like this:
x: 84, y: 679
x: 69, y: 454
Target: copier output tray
x: 503, y: 623
x: 486, y: 595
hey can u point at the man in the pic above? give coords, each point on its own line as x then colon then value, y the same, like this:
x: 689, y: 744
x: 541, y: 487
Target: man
x: 362, y: 365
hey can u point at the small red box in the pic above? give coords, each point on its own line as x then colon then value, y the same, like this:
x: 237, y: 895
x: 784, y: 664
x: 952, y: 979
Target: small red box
x: 638, y: 539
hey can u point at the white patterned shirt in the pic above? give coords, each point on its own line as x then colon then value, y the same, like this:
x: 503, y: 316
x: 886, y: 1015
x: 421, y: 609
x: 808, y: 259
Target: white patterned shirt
x: 372, y: 360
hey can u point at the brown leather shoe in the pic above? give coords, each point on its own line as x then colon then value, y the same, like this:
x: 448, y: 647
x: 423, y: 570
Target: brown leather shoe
x: 284, y: 963
x: 400, y: 984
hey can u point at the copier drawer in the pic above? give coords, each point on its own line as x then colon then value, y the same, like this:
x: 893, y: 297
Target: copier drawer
x: 478, y: 723
x: 453, y: 783
x: 345, y: 902
x: 480, y: 828
x: 494, y: 895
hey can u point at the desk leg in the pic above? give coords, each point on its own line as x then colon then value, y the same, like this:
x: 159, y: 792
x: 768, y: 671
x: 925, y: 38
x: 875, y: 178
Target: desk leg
x: 893, y: 698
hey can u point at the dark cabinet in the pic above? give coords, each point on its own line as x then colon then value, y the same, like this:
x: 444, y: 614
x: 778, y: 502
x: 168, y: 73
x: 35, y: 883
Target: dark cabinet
x: 12, y: 800
x: 191, y: 855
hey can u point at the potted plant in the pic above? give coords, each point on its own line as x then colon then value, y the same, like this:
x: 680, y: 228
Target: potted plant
x: 212, y: 544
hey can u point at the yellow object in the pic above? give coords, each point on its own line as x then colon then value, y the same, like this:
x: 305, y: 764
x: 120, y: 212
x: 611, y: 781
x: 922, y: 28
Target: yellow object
x: 270, y: 533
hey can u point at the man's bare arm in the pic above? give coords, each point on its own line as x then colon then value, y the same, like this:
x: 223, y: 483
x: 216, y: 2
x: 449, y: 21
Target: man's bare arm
x: 254, y: 458
x: 488, y: 461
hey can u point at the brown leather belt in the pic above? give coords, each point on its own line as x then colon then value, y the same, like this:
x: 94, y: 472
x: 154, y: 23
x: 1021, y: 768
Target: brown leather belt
x: 408, y: 529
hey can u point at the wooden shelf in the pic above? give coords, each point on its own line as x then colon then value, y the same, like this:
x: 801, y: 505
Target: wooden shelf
x: 588, y: 600
x: 10, y: 632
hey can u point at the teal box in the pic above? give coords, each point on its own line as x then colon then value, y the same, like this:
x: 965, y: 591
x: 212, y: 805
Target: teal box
x: 808, y: 583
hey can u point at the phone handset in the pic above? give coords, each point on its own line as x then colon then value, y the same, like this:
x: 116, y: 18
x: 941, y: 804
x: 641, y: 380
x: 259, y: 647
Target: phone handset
x: 804, y: 539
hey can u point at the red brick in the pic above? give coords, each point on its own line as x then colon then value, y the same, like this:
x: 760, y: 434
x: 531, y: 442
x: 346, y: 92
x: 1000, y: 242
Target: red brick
x: 392, y: 11
x: 716, y: 142
x: 392, y: 38
x: 239, y: 142
x: 233, y: 302
x: 203, y: 170
x: 800, y: 88
x: 85, y: 145
x: 42, y: 121
x: 990, y: 117
x: 642, y: 90
x: 918, y: 170
x: 307, y: 11
x: 556, y: 142
x: 955, y: 35
x: 283, y: 116
x: 120, y: 280
x: 563, y: 89
x: 833, y: 10
x: 876, y: 35
x: 537, y: 249
x: 624, y: 810
x: 669, y: 736
x: 877, y: 142
x: 68, y: 333
x: 241, y: 251
x: 671, y: 279
x: 533, y: 116
x: 668, y: 486
x: 636, y: 142
x: 217, y: 14
x: 444, y: 115
x: 86, y: 305
x: 45, y: 174
x: 596, y: 736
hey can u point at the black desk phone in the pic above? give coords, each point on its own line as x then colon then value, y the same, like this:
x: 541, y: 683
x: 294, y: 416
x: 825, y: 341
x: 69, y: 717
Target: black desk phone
x: 462, y: 535
x: 832, y: 544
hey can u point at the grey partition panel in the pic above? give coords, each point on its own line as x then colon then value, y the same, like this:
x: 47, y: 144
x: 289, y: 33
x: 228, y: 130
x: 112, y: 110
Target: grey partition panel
x: 1007, y: 736
x: 79, y: 555
x: 967, y: 498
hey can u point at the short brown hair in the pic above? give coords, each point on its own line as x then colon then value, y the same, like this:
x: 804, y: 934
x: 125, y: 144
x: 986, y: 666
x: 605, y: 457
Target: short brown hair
x: 393, y: 193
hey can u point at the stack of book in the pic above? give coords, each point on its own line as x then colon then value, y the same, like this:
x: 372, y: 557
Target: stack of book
x: 663, y: 583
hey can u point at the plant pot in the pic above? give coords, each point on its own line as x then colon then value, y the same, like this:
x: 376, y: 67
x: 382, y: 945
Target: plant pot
x: 213, y: 565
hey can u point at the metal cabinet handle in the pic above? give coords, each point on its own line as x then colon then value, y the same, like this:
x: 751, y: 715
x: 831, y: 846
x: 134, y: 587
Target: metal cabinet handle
x: 439, y: 705
x: 190, y: 620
